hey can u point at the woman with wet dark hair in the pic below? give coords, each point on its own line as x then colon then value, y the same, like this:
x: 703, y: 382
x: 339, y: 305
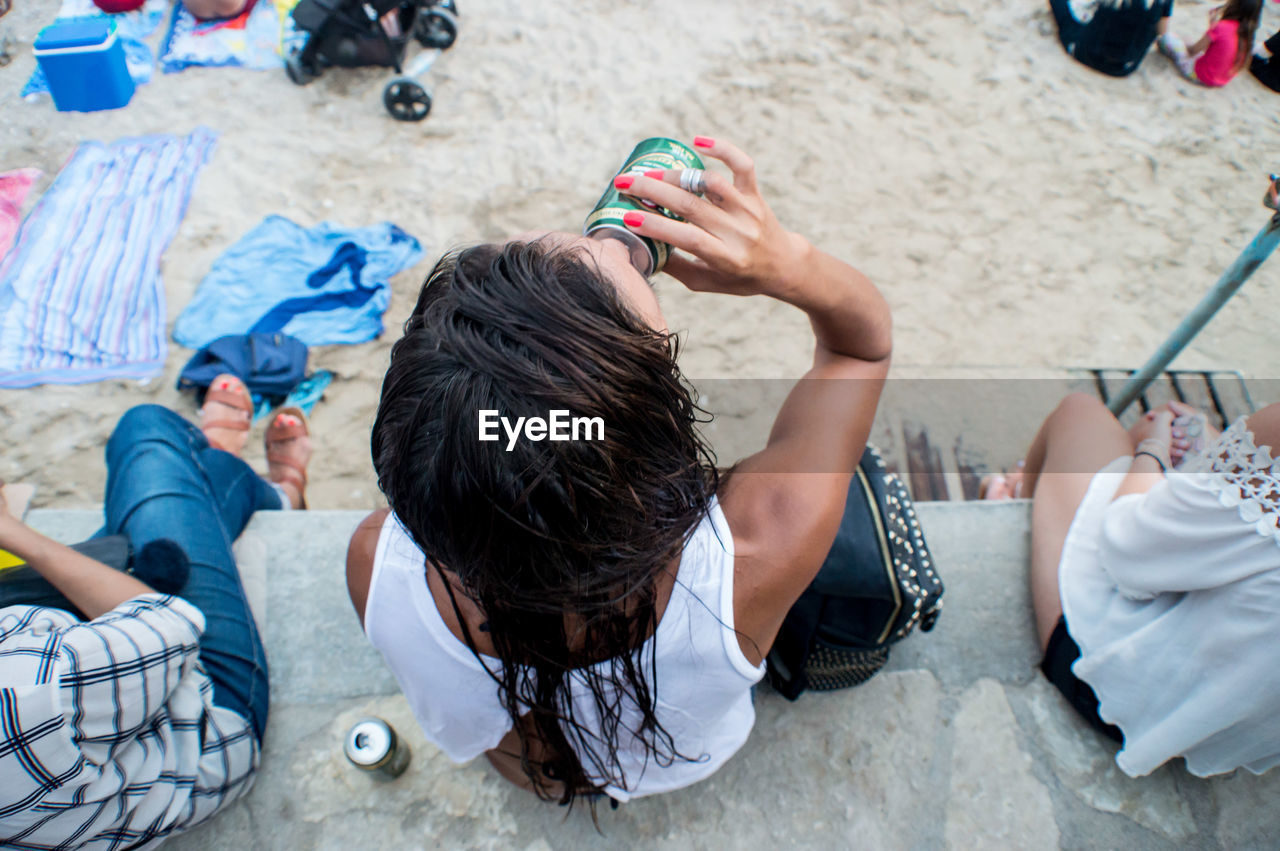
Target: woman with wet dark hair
x: 592, y: 612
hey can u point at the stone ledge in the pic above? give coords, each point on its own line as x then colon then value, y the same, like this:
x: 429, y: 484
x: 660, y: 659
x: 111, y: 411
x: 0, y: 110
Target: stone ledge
x: 959, y: 744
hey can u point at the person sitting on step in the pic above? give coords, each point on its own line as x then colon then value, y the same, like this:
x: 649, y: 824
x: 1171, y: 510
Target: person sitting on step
x: 128, y: 715
x: 530, y: 595
x: 1155, y: 579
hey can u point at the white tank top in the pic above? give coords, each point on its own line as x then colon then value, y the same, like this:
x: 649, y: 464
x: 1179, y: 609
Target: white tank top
x: 703, y: 679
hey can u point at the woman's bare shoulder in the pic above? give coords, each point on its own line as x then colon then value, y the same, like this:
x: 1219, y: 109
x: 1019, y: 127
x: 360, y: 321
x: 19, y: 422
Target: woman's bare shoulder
x: 360, y: 555
x: 782, y: 530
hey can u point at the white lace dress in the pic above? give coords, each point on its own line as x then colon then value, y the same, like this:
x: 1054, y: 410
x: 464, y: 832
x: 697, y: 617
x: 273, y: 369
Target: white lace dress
x: 1174, y: 599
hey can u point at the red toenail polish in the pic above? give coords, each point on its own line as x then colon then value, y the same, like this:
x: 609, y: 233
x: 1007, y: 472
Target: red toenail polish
x: 226, y: 385
x: 623, y: 181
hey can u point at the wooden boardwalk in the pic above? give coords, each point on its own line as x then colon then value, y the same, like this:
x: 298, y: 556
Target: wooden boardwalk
x: 943, y: 435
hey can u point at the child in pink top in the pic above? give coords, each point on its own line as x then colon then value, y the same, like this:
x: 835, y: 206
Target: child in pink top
x: 1223, y: 51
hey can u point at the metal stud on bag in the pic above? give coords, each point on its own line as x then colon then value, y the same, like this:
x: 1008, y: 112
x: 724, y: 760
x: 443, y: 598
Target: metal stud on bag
x: 916, y: 598
x: 828, y: 668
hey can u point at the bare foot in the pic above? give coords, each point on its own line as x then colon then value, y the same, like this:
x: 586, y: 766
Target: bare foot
x: 226, y: 414
x: 1002, y: 486
x: 288, y: 445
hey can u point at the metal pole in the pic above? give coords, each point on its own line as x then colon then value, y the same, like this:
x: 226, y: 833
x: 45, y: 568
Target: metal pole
x: 1231, y: 281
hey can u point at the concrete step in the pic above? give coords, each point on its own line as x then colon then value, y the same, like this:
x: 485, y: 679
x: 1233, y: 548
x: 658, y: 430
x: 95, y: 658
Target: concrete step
x: 960, y: 743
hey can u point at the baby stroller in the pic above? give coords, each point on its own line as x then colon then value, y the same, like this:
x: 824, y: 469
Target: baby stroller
x: 356, y: 33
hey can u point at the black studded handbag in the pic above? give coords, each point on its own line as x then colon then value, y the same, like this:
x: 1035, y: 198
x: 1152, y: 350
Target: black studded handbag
x: 877, y: 584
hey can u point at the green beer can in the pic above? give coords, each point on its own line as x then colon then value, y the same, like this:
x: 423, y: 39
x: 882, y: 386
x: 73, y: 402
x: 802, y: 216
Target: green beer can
x: 605, y: 221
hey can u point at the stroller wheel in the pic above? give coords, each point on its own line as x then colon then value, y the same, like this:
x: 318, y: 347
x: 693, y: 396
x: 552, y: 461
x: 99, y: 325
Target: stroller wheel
x: 437, y: 27
x: 298, y: 72
x: 406, y: 100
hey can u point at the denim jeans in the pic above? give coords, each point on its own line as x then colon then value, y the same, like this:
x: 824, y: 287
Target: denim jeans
x: 164, y: 481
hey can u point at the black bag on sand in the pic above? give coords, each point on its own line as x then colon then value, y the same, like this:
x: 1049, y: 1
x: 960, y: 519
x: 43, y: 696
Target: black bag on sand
x: 877, y: 584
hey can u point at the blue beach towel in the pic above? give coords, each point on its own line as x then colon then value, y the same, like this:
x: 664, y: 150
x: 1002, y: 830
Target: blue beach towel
x: 323, y: 285
x: 132, y: 28
x: 256, y: 39
x: 304, y: 396
x: 80, y: 292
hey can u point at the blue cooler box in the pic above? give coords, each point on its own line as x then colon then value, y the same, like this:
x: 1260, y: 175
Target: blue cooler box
x: 84, y: 64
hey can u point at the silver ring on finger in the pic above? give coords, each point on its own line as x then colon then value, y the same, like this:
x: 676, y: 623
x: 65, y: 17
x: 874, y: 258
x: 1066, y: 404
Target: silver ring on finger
x: 693, y: 180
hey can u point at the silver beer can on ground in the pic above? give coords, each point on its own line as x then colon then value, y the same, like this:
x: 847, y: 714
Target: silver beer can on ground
x: 373, y: 746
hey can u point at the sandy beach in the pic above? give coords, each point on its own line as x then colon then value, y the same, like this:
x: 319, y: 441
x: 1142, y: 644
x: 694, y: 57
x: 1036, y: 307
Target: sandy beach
x: 1017, y: 209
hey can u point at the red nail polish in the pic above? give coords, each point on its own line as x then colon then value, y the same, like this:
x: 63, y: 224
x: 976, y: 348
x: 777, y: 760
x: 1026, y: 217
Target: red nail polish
x: 623, y: 181
x: 655, y: 173
x: 633, y: 220
x: 703, y: 142
x: 226, y: 385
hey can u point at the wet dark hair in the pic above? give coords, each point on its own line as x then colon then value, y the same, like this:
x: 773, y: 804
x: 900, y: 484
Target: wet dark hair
x: 558, y: 543
x: 1248, y: 13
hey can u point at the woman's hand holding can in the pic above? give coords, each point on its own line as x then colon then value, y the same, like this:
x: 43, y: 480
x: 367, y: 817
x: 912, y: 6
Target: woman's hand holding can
x: 736, y: 243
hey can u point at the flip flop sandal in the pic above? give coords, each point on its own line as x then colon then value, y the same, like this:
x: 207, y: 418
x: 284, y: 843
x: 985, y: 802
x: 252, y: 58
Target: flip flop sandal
x: 228, y: 390
x: 292, y: 473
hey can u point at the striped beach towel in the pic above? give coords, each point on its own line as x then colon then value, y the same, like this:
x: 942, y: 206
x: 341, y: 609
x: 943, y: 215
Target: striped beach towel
x: 80, y: 292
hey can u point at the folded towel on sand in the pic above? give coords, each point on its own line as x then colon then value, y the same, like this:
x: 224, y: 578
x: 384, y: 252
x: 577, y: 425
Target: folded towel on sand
x: 14, y: 186
x: 304, y: 396
x: 80, y: 292
x: 323, y: 285
x: 132, y: 28
x: 256, y: 38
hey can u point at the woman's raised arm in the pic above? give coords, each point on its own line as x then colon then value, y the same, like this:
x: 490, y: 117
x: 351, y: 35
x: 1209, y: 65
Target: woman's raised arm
x: 784, y: 503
